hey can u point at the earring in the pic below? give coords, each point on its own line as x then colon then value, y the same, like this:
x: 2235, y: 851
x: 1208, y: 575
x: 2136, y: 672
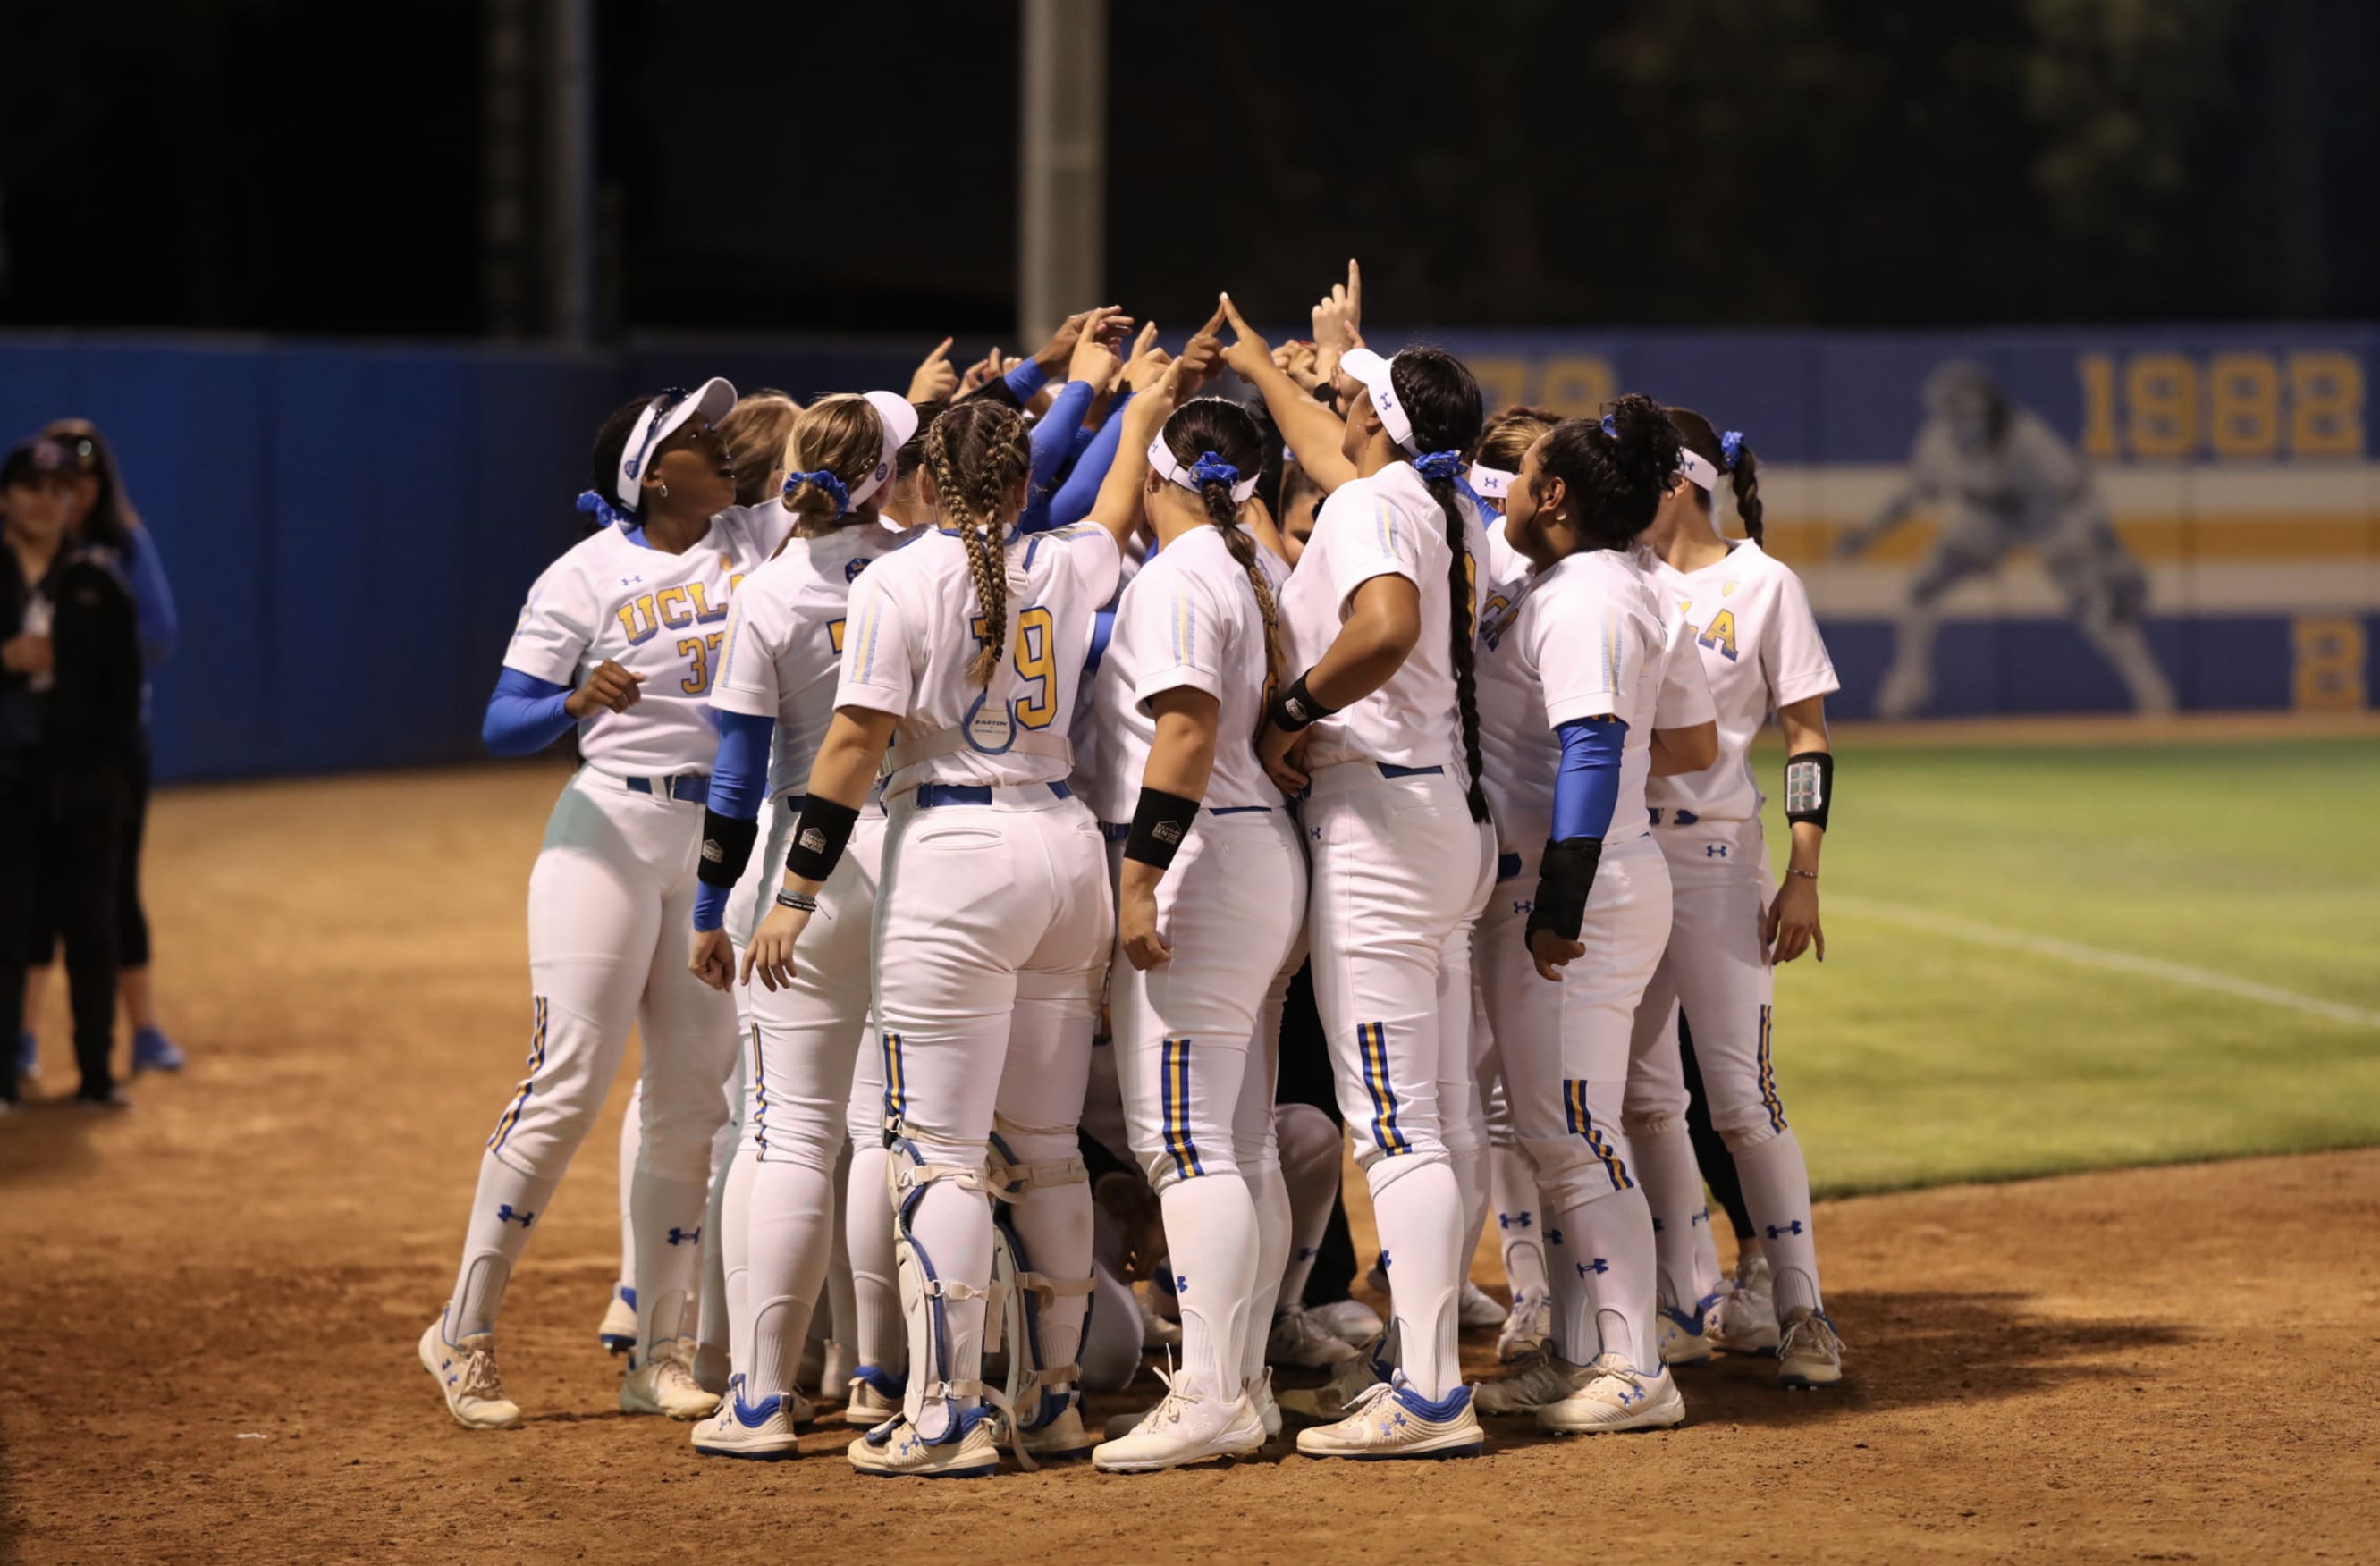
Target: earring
x: 664, y: 491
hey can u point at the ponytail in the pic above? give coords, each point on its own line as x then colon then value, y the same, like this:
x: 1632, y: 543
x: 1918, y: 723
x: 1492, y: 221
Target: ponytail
x: 1441, y: 402
x: 1225, y: 512
x: 1747, y: 493
x: 1462, y: 608
x: 1728, y: 454
x: 977, y: 452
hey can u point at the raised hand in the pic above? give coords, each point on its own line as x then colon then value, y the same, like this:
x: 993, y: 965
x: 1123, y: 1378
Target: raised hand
x: 1095, y: 358
x: 935, y: 378
x: 1148, y: 362
x: 1339, y: 318
x: 1249, y: 355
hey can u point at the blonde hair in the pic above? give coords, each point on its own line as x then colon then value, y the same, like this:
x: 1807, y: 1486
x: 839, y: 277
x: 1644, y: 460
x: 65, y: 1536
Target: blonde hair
x: 977, y: 452
x: 1506, y: 438
x: 841, y: 435
x: 754, y: 433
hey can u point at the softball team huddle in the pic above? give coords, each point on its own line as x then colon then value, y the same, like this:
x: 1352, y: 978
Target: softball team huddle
x: 916, y: 740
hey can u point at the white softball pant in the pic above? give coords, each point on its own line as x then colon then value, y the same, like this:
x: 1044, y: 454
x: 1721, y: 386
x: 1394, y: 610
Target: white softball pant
x: 1715, y: 969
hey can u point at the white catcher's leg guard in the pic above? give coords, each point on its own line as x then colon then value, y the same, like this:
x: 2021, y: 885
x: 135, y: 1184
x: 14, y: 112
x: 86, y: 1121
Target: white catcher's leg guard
x: 945, y: 1315
x: 1043, y: 1283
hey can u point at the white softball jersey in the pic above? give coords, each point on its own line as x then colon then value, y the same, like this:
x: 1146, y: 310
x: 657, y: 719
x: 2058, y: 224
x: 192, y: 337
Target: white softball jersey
x: 662, y: 617
x: 1388, y: 524
x: 914, y: 630
x: 1749, y: 620
x: 1190, y: 619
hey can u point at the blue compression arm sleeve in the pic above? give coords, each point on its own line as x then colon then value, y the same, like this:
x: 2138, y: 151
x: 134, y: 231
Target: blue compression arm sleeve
x: 739, y: 779
x: 152, y: 599
x: 1074, y: 497
x: 1586, y: 789
x: 1026, y: 380
x: 525, y: 714
x: 1053, y: 438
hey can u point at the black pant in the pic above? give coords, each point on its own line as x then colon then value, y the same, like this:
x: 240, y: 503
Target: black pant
x: 1710, y: 1148
x: 62, y: 829
x: 131, y: 920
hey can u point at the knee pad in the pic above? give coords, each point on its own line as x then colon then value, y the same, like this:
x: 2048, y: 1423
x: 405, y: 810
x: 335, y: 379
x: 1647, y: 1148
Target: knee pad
x: 1020, y: 1293
x: 923, y: 1290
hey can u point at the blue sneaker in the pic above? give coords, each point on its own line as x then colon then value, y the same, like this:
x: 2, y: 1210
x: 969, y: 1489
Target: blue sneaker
x: 28, y: 1057
x: 152, y: 1050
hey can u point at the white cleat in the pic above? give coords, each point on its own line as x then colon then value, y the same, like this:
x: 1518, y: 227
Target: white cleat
x: 1299, y: 1341
x: 1391, y: 1421
x: 1618, y: 1397
x: 894, y: 1450
x: 764, y: 1434
x: 618, y: 1333
x: 1527, y: 1326
x: 665, y: 1384
x: 1479, y: 1309
x: 1268, y: 1412
x: 1741, y: 1322
x: 1058, y: 1440
x: 1187, y: 1427
x: 1350, y: 1321
x: 875, y: 1397
x: 465, y: 1373
x: 1529, y: 1383
x: 1808, y: 1353
x: 1683, y: 1342
x: 1335, y: 1399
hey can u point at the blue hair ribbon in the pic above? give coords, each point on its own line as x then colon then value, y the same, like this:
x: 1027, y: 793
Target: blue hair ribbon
x: 1212, y: 469
x: 1611, y: 426
x: 824, y: 480
x: 1731, y: 450
x: 1438, y: 464
x: 602, y: 510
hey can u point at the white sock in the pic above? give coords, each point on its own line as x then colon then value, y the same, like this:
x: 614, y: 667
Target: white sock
x: 1311, y: 1152
x: 1520, y: 1227
x: 951, y: 1233
x: 1565, y: 1283
x: 1053, y: 1224
x: 1610, y: 1242
x: 507, y: 1205
x: 713, y: 1334
x: 734, y: 1217
x: 1210, y: 1238
x: 669, y: 1257
x: 1269, y: 1192
x: 1776, y: 1194
x: 1418, y: 1210
x: 1664, y: 1167
x: 879, y: 1336
x: 792, y: 1230
x: 841, y: 1300
x: 631, y: 1136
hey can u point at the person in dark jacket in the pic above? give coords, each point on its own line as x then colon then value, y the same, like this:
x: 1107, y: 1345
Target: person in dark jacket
x: 70, y: 682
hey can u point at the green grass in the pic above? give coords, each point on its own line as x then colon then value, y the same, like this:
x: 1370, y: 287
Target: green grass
x: 1913, y: 1058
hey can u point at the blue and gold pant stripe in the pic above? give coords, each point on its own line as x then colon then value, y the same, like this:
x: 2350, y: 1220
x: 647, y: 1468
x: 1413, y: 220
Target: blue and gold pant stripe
x: 759, y: 1096
x: 1173, y: 1104
x: 511, y: 1117
x: 1768, y: 1099
x: 1372, y: 1045
x: 1582, y: 1123
x: 896, y: 1092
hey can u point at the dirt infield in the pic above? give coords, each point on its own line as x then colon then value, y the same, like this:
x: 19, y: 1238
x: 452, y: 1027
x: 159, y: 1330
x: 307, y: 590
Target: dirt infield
x: 215, y: 1300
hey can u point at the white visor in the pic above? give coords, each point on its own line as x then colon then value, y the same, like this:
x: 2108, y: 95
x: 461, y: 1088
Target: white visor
x: 1173, y: 472
x: 1698, y: 467
x: 1492, y: 483
x: 1372, y: 371
x: 899, y: 419
x: 661, y: 419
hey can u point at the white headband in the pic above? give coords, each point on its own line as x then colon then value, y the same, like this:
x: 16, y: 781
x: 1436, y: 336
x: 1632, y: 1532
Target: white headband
x: 1373, y: 370
x: 1492, y: 483
x: 662, y: 418
x: 1698, y: 467
x: 1173, y: 472
x: 899, y: 418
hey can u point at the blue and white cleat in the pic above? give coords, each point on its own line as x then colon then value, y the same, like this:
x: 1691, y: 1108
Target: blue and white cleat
x: 152, y: 1050
x: 1683, y: 1342
x: 465, y: 1374
x: 875, y: 1397
x: 894, y: 1450
x: 764, y: 1434
x: 618, y: 1333
x: 1391, y: 1420
x: 1618, y: 1397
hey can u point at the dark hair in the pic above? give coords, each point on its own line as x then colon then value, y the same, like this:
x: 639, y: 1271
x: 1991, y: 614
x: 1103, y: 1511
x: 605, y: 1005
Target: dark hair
x: 911, y: 455
x: 1210, y: 426
x: 978, y: 451
x: 1441, y: 400
x: 112, y: 521
x: 1615, y: 478
x: 603, y: 462
x: 1694, y: 433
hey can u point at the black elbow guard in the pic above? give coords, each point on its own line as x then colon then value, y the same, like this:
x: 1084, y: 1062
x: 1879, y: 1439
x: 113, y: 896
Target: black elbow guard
x: 1809, y: 787
x: 1160, y: 823
x: 1565, y: 877
x: 819, y: 837
x: 726, y: 847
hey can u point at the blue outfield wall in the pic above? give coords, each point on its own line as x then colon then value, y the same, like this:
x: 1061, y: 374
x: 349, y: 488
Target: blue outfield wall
x: 350, y: 529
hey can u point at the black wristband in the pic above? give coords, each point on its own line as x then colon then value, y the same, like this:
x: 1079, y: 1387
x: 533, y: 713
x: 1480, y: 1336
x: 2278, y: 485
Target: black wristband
x: 1809, y: 787
x: 726, y: 848
x: 818, y: 838
x: 1565, y: 877
x: 1296, y: 708
x: 1159, y: 822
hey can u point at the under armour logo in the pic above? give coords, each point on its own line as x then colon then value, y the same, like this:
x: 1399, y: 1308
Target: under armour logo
x: 1777, y: 1231
x: 1630, y: 1396
x: 1513, y: 1221
x: 1384, y: 1261
x: 1702, y: 1216
x: 1306, y: 1252
x: 1523, y: 907
x: 1714, y: 850
x: 1317, y: 833
x: 1553, y: 1236
x: 685, y: 1236
x: 635, y: 581
x: 1181, y: 1284
x: 505, y: 1214
x: 1597, y: 1266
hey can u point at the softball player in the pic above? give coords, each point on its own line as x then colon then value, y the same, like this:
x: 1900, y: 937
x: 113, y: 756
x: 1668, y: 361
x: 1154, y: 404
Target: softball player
x: 1210, y: 893
x: 1586, y: 688
x: 635, y: 614
x: 1380, y: 614
x: 1759, y: 645
x: 963, y: 655
x: 775, y: 698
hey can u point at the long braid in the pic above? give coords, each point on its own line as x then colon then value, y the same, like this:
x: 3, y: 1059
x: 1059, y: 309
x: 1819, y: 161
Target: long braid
x: 974, y: 509
x: 1463, y: 608
x: 1747, y: 495
x: 1226, y: 516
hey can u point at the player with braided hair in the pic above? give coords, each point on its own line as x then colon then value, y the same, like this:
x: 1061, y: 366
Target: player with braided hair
x: 962, y: 657
x: 1212, y: 893
x: 1597, y: 689
x: 1381, y: 729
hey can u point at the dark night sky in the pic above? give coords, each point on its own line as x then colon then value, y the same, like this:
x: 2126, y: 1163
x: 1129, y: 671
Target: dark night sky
x: 248, y: 165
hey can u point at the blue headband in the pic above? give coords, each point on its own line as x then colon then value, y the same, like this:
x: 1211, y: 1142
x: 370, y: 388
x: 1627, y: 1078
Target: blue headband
x: 1438, y: 465
x: 1212, y: 469
x: 1731, y: 450
x: 824, y: 480
x: 602, y: 510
